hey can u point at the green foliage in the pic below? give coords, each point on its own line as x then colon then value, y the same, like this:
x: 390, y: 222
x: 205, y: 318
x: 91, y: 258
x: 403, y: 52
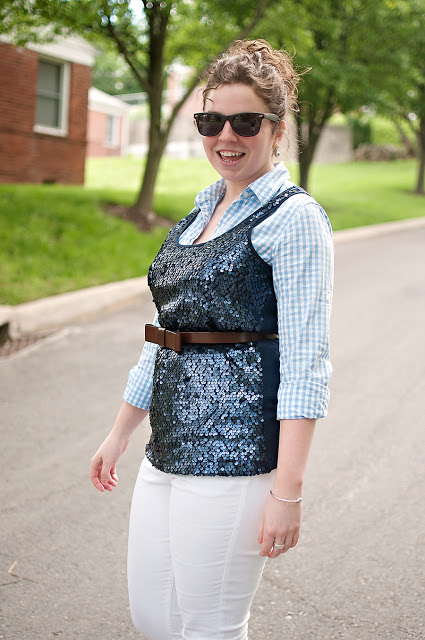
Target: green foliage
x: 201, y: 30
x: 22, y: 22
x: 385, y: 132
x: 406, y: 94
x: 361, y: 128
x: 112, y: 74
x: 356, y: 51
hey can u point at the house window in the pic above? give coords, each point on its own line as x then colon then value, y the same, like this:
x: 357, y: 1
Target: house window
x: 52, y: 97
x: 111, y: 131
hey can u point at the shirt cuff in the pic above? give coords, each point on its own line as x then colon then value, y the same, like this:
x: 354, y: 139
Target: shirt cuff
x: 138, y: 391
x: 302, y: 399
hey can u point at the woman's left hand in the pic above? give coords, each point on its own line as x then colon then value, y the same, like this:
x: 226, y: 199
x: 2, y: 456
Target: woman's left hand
x: 280, y: 525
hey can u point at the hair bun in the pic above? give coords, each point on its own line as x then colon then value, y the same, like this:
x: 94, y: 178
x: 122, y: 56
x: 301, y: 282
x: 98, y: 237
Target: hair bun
x: 268, y: 71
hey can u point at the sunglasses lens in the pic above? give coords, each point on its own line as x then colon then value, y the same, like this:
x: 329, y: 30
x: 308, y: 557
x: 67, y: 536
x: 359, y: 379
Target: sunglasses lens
x: 243, y: 124
x: 246, y: 124
x: 209, y: 124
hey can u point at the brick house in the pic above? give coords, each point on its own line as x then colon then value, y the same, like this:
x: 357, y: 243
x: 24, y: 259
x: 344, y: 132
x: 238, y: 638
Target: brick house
x: 43, y: 106
x: 107, y: 125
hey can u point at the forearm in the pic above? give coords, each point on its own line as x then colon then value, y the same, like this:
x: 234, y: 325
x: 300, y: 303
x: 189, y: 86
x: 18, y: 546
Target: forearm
x: 128, y: 418
x: 294, y: 447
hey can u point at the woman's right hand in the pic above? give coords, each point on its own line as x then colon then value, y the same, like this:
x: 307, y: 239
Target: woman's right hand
x: 103, y: 469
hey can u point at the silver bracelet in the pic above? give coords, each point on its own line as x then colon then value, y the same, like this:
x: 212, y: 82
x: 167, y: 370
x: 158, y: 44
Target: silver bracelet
x: 284, y: 500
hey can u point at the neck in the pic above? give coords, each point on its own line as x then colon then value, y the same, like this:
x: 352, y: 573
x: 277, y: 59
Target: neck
x: 233, y: 191
x: 234, y: 188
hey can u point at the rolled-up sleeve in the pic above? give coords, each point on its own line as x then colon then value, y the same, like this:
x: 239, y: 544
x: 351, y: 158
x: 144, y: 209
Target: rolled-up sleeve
x: 138, y: 391
x: 303, y: 261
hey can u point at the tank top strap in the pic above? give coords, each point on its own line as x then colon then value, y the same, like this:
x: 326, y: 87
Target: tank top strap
x: 272, y: 205
x: 184, y: 223
x: 251, y: 221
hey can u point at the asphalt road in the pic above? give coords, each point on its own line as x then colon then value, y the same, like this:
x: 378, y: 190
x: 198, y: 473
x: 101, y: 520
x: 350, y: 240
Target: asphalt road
x: 358, y: 571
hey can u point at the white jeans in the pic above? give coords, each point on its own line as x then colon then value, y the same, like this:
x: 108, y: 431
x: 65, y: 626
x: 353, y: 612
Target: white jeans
x: 193, y: 562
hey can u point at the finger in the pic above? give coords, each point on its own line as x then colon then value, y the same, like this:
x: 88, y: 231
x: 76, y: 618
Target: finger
x: 295, y: 539
x: 114, y: 474
x: 113, y: 480
x: 267, y: 545
x: 280, y: 545
x: 105, y: 476
x: 260, y: 532
x: 95, y: 469
x: 107, y: 485
x: 275, y: 552
x: 98, y: 485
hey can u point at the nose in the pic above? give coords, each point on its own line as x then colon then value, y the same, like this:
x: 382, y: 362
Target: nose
x: 227, y: 132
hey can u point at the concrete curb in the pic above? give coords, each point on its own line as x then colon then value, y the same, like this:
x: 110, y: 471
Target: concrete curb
x: 372, y: 230
x: 52, y: 313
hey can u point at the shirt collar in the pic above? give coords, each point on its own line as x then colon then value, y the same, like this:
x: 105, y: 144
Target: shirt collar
x: 213, y: 192
x: 263, y: 188
x: 270, y: 184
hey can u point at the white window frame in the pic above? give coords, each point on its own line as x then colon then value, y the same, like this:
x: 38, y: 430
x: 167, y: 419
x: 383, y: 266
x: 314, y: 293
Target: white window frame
x: 65, y: 77
x: 113, y: 143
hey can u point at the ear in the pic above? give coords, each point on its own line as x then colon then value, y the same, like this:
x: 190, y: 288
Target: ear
x: 279, y: 134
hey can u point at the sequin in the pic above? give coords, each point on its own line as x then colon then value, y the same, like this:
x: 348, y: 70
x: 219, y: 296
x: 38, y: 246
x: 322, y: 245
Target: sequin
x: 208, y: 410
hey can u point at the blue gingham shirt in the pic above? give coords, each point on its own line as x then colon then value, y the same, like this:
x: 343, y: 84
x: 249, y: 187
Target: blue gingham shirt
x: 296, y: 241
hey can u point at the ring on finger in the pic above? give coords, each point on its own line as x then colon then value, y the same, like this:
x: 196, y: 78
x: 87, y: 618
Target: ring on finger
x: 278, y: 546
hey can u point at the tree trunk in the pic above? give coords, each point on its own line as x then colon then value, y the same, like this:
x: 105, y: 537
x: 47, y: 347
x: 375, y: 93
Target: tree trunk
x: 143, y: 206
x: 157, y: 18
x: 144, y: 203
x: 307, y: 144
x: 421, y: 155
x: 309, y: 134
x: 407, y: 143
x: 305, y: 159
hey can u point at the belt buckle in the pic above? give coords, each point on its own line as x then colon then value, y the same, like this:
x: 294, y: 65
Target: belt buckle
x: 169, y: 339
x: 174, y: 340
x: 161, y: 336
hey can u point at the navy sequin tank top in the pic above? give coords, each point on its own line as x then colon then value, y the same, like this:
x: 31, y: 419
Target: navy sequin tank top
x: 213, y: 408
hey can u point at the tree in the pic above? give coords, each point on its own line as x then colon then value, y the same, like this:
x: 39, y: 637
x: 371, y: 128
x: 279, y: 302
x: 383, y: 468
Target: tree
x: 348, y: 47
x: 407, y: 100
x: 149, y: 35
x: 112, y: 74
x: 21, y: 24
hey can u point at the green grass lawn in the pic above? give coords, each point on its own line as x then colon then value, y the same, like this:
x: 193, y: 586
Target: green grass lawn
x: 56, y: 239
x: 118, y: 179
x: 362, y: 193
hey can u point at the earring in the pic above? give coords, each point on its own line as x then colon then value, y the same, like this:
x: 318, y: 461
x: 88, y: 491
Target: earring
x: 276, y: 152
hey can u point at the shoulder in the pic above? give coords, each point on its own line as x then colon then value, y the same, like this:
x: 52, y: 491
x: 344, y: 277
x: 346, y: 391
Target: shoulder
x: 304, y: 215
x: 298, y: 220
x: 301, y: 208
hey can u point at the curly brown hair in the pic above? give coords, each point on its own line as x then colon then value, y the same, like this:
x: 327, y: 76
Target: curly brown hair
x: 269, y: 72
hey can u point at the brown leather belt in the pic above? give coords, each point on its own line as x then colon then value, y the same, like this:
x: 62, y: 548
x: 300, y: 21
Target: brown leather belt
x: 175, y: 339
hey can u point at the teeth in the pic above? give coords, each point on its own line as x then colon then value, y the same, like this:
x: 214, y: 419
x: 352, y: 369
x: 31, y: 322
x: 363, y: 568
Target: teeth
x: 230, y: 154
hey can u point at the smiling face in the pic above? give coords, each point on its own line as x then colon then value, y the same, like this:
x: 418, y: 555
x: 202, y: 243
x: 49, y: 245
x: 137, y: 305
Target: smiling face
x: 240, y: 160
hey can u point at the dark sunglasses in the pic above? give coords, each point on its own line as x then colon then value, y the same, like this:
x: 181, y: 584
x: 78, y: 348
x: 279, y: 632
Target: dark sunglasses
x: 243, y: 124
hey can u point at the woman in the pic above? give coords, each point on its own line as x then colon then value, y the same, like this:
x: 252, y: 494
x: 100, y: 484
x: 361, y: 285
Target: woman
x: 234, y: 371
